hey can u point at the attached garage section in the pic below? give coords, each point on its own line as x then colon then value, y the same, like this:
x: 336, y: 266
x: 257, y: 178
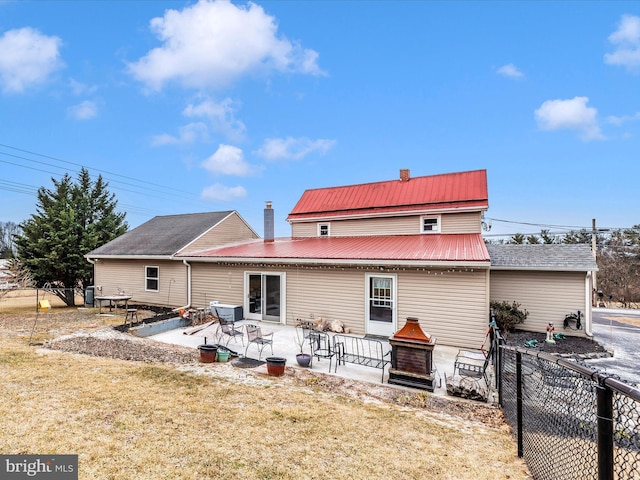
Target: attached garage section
x: 549, y: 281
x: 547, y: 296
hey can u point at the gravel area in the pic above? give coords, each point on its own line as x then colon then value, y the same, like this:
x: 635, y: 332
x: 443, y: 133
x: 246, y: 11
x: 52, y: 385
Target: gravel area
x: 108, y: 342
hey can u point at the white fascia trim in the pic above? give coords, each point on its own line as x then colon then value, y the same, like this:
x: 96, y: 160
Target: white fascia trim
x: 323, y: 261
x: 130, y: 257
x: 398, y: 213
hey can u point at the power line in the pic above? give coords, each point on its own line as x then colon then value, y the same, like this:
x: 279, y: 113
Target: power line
x: 80, y: 165
x: 544, y: 226
x: 111, y: 181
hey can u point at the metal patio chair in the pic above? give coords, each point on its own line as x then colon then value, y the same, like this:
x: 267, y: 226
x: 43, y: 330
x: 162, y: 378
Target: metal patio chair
x: 228, y: 330
x: 257, y: 336
x: 322, y: 346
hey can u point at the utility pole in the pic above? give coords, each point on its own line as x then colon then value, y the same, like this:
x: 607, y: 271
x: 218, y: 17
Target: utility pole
x: 594, y: 234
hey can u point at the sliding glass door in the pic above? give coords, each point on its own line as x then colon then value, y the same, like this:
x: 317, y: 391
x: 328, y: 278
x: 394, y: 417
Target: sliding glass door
x: 264, y: 296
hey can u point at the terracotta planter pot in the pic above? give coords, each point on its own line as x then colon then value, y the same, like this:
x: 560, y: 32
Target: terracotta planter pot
x: 208, y: 353
x: 275, y: 366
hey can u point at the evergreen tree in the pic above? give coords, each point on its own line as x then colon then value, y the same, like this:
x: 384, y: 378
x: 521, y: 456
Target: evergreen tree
x: 517, y: 239
x: 71, y: 220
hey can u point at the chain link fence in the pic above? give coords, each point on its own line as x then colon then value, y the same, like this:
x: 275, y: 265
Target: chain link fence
x: 570, y: 421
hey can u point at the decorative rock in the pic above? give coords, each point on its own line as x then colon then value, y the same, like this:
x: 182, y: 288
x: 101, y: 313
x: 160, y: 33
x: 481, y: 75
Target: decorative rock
x: 466, y: 387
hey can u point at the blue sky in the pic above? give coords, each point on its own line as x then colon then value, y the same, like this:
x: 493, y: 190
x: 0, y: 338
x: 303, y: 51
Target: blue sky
x: 203, y: 106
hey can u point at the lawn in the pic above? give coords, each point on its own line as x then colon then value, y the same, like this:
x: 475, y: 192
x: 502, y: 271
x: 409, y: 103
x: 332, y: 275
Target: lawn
x: 132, y: 419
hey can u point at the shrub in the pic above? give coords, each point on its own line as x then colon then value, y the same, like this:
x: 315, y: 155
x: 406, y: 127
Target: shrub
x: 508, y: 315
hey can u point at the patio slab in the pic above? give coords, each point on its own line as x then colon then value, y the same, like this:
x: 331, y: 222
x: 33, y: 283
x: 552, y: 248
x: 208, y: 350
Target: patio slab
x: 284, y: 345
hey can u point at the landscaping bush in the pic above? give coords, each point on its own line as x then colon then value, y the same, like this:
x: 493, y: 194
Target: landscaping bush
x: 508, y: 315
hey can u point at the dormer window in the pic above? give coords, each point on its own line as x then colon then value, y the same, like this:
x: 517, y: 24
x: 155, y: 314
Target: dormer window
x: 323, y: 230
x: 430, y: 224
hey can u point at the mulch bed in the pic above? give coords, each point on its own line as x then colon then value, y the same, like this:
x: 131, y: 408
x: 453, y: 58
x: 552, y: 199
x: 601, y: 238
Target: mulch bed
x: 566, y: 346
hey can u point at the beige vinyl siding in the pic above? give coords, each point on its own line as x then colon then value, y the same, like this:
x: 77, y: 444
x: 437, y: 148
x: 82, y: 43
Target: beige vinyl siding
x: 211, y: 282
x: 452, y: 306
x: 332, y: 294
x: 462, y: 222
x: 129, y: 275
x: 547, y: 296
x: 305, y: 229
x: 231, y: 229
x: 405, y: 225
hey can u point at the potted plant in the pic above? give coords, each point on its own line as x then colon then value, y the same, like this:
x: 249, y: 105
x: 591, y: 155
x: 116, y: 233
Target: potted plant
x: 303, y: 359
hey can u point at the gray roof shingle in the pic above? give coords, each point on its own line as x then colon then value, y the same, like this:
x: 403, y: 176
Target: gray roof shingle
x: 557, y: 257
x: 162, y: 235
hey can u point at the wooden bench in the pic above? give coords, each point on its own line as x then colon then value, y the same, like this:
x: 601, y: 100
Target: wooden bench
x: 361, y: 351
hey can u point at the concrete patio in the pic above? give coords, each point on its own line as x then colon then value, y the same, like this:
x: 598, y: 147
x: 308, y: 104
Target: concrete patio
x: 284, y: 345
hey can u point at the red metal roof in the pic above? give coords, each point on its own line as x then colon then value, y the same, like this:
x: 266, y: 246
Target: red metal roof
x: 404, y: 249
x: 446, y: 191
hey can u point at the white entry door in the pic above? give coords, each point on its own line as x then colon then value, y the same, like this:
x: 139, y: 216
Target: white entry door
x: 381, y: 305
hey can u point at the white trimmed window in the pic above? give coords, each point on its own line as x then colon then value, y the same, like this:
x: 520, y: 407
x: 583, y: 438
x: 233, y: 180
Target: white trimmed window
x: 324, y: 229
x: 430, y: 224
x: 152, y: 279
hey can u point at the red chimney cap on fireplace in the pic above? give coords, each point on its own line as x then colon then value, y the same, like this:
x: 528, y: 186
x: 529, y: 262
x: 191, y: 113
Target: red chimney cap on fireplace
x: 412, y: 331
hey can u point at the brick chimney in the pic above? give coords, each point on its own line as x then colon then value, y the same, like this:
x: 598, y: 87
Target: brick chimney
x: 404, y: 174
x: 268, y: 222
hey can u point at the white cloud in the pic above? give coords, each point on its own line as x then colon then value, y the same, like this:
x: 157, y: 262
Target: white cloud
x: 27, y: 58
x: 83, y: 111
x: 227, y: 160
x: 510, y: 70
x: 569, y: 115
x: 626, y: 39
x: 221, y: 116
x: 223, y: 193
x: 293, y: 148
x: 623, y: 119
x: 211, y: 43
x: 190, y: 133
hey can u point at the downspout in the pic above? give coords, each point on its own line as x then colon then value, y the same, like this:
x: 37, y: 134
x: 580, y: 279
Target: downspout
x: 587, y: 305
x: 188, y: 305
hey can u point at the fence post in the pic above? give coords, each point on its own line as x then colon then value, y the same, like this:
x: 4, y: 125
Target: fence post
x: 604, y: 399
x: 519, y: 402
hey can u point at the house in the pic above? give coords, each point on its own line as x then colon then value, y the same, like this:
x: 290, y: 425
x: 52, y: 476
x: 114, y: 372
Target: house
x: 7, y: 278
x: 142, y: 262
x: 368, y: 255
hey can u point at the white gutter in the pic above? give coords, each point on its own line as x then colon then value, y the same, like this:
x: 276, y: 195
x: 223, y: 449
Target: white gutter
x: 587, y: 305
x: 188, y: 305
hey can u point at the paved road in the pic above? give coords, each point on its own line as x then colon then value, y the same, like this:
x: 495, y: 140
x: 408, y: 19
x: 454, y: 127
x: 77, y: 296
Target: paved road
x: 622, y: 339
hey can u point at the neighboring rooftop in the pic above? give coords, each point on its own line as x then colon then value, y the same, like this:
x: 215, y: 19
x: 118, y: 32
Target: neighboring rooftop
x: 461, y: 190
x: 162, y: 235
x: 556, y: 257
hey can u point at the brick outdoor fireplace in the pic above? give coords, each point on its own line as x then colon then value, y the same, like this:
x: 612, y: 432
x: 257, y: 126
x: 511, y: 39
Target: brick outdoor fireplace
x: 412, y: 357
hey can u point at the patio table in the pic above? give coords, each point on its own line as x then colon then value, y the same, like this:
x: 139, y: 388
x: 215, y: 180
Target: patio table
x: 113, y: 301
